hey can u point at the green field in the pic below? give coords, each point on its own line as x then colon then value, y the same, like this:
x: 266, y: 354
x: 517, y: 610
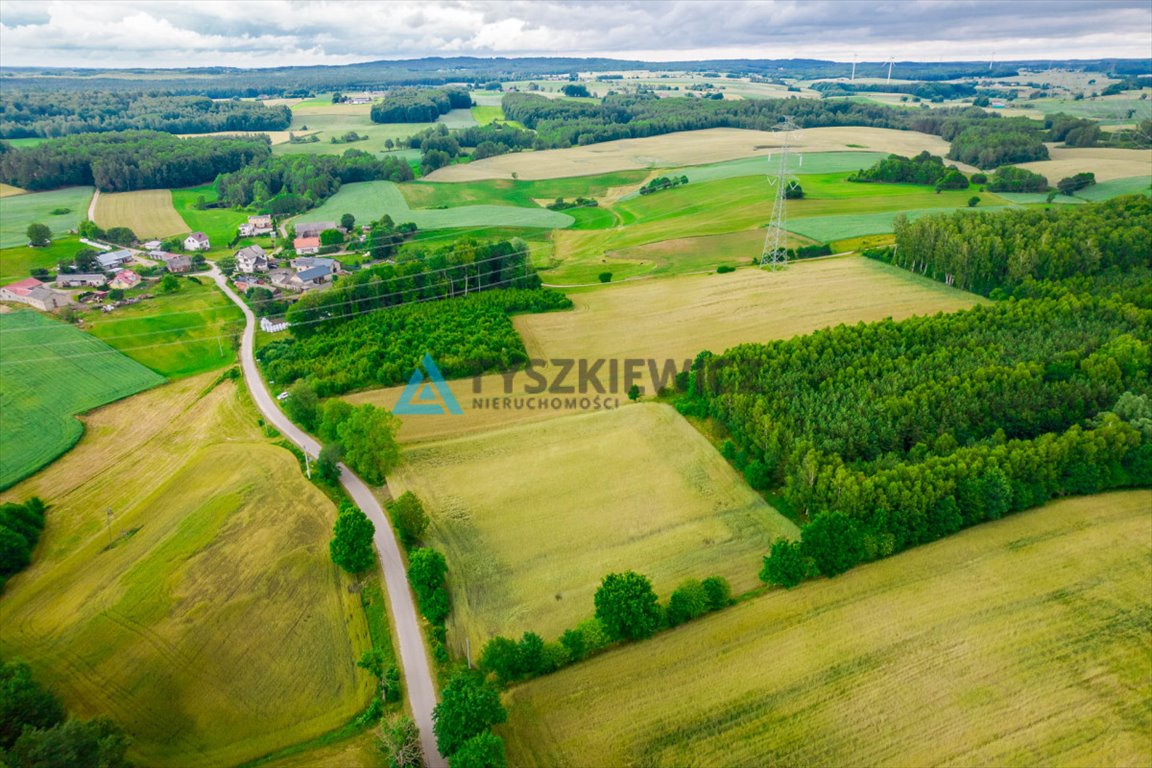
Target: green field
x: 531, y: 517
x: 215, y: 629
x: 1020, y: 642
x: 369, y: 200
x: 829, y: 228
x: 458, y: 118
x: 1105, y: 190
x: 218, y: 223
x: 49, y: 372
x: 428, y: 194
x: 814, y: 163
x: 17, y: 262
x: 485, y: 114
x: 329, y: 120
x: 175, y: 334
x: 18, y: 211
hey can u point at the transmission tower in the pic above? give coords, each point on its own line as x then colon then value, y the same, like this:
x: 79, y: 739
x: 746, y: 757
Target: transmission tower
x: 775, y: 253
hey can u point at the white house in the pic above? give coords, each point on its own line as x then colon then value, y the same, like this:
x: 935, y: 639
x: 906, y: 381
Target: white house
x: 251, y: 259
x: 197, y: 241
x: 257, y: 225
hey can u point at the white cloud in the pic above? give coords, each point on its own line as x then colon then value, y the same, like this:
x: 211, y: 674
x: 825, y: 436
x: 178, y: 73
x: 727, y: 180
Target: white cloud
x: 157, y: 33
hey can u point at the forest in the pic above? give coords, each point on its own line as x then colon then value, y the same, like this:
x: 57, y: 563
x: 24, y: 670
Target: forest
x: 422, y: 105
x: 466, y: 336
x: 983, y: 252
x: 924, y: 168
x: 466, y: 266
x: 991, y: 145
x: 438, y: 147
x: 1009, y: 178
x: 53, y: 114
x: 121, y: 161
x: 284, y: 184
x: 886, y: 435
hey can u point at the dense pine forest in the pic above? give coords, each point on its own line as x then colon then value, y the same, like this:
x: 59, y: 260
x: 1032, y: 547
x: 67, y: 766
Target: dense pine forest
x: 892, y: 434
x: 53, y: 114
x: 120, y: 161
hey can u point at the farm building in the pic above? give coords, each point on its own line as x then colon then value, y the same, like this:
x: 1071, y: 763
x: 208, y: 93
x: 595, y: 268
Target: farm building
x: 197, y: 241
x: 314, y: 228
x: 306, y: 245
x: 310, y: 262
x: 80, y: 281
x: 152, y: 245
x: 114, y: 259
x: 125, y: 279
x: 251, y: 259
x: 34, y: 293
x: 257, y: 225
x: 175, y: 262
x: 310, y: 277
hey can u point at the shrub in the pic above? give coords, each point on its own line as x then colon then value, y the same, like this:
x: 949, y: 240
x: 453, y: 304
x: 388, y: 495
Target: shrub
x: 724, y: 269
x: 688, y: 602
x: 718, y: 592
x: 785, y: 566
x: 409, y: 518
x: 605, y: 277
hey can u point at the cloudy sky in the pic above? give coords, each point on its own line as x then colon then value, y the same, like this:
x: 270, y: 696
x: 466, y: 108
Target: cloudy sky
x: 171, y: 33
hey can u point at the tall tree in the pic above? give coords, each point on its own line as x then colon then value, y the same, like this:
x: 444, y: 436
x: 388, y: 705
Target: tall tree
x: 627, y: 606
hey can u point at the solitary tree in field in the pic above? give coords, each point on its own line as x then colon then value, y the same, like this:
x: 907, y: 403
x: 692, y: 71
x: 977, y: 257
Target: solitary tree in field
x: 389, y: 144
x: 351, y: 545
x: 634, y: 392
x: 605, y: 277
x: 468, y: 707
x: 626, y: 605
x: 39, y: 235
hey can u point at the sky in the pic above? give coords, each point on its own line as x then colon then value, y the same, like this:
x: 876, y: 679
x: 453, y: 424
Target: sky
x: 265, y: 33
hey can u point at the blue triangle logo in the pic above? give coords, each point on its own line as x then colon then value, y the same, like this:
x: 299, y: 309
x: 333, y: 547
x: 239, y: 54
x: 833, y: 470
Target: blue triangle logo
x: 427, y: 396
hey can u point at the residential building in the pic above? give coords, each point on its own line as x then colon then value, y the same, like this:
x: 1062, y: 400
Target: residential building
x: 197, y: 241
x: 114, y: 259
x: 257, y: 225
x: 125, y: 279
x: 308, y: 262
x: 306, y: 245
x: 36, y: 294
x: 80, y: 281
x: 310, y: 277
x: 314, y: 228
x: 173, y: 262
x: 251, y: 259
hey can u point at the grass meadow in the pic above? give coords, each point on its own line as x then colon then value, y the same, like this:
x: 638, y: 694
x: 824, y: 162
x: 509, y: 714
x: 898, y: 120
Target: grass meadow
x: 327, y: 120
x: 218, y: 223
x: 214, y: 628
x: 18, y: 211
x: 531, y: 518
x: 175, y: 334
x: 17, y: 262
x: 369, y: 200
x: 147, y: 212
x: 49, y: 372
x: 1020, y: 642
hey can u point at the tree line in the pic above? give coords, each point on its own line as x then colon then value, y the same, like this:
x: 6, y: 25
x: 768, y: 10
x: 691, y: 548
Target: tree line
x: 466, y: 336
x: 25, y: 114
x: 419, y: 105
x: 20, y: 529
x: 439, y: 148
x: 285, y: 184
x: 121, y: 161
x: 924, y: 168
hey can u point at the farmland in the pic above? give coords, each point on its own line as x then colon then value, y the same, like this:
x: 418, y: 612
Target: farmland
x: 1106, y: 163
x: 369, y: 200
x: 218, y: 223
x: 176, y: 334
x: 1022, y: 641
x: 529, y: 556
x: 15, y: 262
x: 18, y: 211
x: 49, y: 372
x: 148, y: 213
x: 678, y: 318
x: 211, y: 629
x: 7, y: 190
x: 327, y: 120
x: 685, y: 148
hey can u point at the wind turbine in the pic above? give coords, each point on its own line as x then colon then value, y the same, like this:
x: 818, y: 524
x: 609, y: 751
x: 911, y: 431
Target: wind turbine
x: 891, y: 61
x: 854, y: 67
x: 992, y: 59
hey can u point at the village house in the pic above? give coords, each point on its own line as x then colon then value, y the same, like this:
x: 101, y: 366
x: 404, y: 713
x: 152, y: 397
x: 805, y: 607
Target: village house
x: 114, y: 259
x: 251, y: 259
x: 125, y: 279
x: 306, y: 245
x: 173, y: 262
x: 36, y: 294
x: 197, y: 241
x: 64, y: 280
x: 308, y: 278
x: 257, y: 225
x: 309, y: 262
x: 314, y: 228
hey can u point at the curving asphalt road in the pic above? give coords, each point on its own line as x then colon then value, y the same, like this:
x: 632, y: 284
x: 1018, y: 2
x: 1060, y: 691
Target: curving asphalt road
x: 413, y: 657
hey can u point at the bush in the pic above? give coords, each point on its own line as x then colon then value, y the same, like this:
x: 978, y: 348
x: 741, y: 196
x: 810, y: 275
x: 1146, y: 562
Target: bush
x: 689, y: 601
x: 717, y: 591
x: 605, y: 277
x: 724, y: 269
x: 409, y: 518
x: 427, y: 571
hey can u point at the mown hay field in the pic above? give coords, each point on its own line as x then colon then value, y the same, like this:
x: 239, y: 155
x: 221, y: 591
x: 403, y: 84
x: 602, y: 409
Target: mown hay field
x: 369, y: 200
x: 532, y: 517
x: 675, y: 150
x: 147, y: 212
x: 676, y: 319
x: 215, y: 629
x: 1106, y: 162
x: 7, y: 190
x: 1020, y: 642
x: 175, y: 334
x: 49, y: 372
x: 18, y: 211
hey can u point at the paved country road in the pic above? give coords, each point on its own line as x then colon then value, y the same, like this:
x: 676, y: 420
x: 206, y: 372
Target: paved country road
x: 413, y: 657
